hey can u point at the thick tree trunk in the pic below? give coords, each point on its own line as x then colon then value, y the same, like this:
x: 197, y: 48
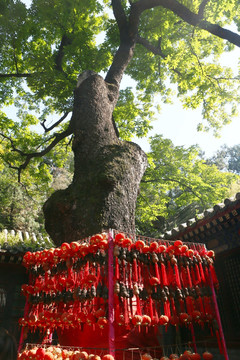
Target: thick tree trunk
x: 107, y: 171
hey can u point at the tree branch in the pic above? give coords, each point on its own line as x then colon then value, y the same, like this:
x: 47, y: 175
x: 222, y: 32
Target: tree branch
x: 202, y: 8
x: 29, y: 156
x: 128, y: 28
x: 60, y: 54
x: 120, y: 17
x: 191, y: 18
x: 55, y: 124
x: 18, y: 75
x: 128, y: 31
x: 155, y: 50
x: 189, y: 188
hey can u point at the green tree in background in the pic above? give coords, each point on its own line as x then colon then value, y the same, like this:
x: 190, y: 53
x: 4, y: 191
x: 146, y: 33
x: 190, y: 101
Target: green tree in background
x: 160, y: 44
x: 227, y: 158
x: 21, y: 205
x: 177, y: 186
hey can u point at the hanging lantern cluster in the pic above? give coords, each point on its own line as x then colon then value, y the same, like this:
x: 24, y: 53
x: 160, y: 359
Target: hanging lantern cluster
x: 58, y: 353
x: 68, y: 286
x: 186, y: 355
x: 156, y: 283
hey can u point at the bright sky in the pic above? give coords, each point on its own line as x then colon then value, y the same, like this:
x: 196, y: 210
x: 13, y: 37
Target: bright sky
x: 180, y: 125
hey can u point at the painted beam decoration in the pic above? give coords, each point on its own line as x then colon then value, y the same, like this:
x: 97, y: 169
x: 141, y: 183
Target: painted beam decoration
x: 155, y: 283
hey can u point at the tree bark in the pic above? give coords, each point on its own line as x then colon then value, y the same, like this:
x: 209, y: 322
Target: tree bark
x: 107, y: 171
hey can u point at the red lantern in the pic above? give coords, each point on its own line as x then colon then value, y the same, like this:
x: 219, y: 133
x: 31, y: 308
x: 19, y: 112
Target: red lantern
x: 49, y: 356
x: 108, y: 357
x: 76, y: 356
x: 146, y: 320
x: 207, y: 355
x: 82, y: 355
x: 120, y: 320
x: 27, y: 258
x: 127, y: 243
x: 153, y: 247
x: 65, y: 250
x: 154, y: 321
x: 154, y: 281
x: 145, y: 249
x: 99, y: 313
x: 196, y: 315
x: 162, y: 248
x: 137, y: 320
x: 83, y: 250
x: 173, y: 357
x: 139, y: 244
x: 183, y: 249
x: 95, y: 239
x: 94, y: 357
x: 190, y: 253
x: 56, y: 255
x: 211, y: 253
x: 185, y: 357
x: 178, y: 243
x: 195, y: 356
x: 163, y: 320
x: 146, y: 356
x: 119, y: 238
x: 184, y: 317
x: 81, y: 317
x: 90, y: 279
x: 103, y: 244
x: 32, y: 354
x: 75, y: 246
x: 90, y: 319
x: 102, y: 322
x: 174, y: 320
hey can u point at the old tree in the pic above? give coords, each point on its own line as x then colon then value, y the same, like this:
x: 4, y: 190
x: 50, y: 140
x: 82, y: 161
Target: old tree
x: 160, y: 44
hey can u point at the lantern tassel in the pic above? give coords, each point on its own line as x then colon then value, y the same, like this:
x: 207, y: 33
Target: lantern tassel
x: 177, y: 277
x: 135, y: 271
x: 202, y: 273
x: 116, y: 268
x: 164, y: 275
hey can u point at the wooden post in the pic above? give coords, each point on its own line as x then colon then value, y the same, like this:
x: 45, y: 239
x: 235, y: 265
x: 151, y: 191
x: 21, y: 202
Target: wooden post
x: 218, y: 317
x: 111, y: 335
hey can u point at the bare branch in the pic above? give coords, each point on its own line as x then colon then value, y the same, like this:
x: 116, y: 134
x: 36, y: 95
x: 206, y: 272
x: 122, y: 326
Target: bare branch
x: 155, y: 50
x: 18, y: 75
x: 28, y: 156
x: 55, y: 124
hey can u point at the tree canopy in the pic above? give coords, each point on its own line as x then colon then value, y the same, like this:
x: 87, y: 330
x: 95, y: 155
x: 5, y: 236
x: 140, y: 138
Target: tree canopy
x: 227, y: 158
x: 177, y: 186
x: 162, y: 45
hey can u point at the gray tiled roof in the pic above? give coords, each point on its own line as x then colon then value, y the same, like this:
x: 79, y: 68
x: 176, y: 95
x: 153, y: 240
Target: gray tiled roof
x: 13, y: 244
x: 206, y: 217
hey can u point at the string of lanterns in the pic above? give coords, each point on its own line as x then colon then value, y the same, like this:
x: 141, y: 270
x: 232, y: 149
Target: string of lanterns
x: 156, y: 283
x: 58, y: 353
